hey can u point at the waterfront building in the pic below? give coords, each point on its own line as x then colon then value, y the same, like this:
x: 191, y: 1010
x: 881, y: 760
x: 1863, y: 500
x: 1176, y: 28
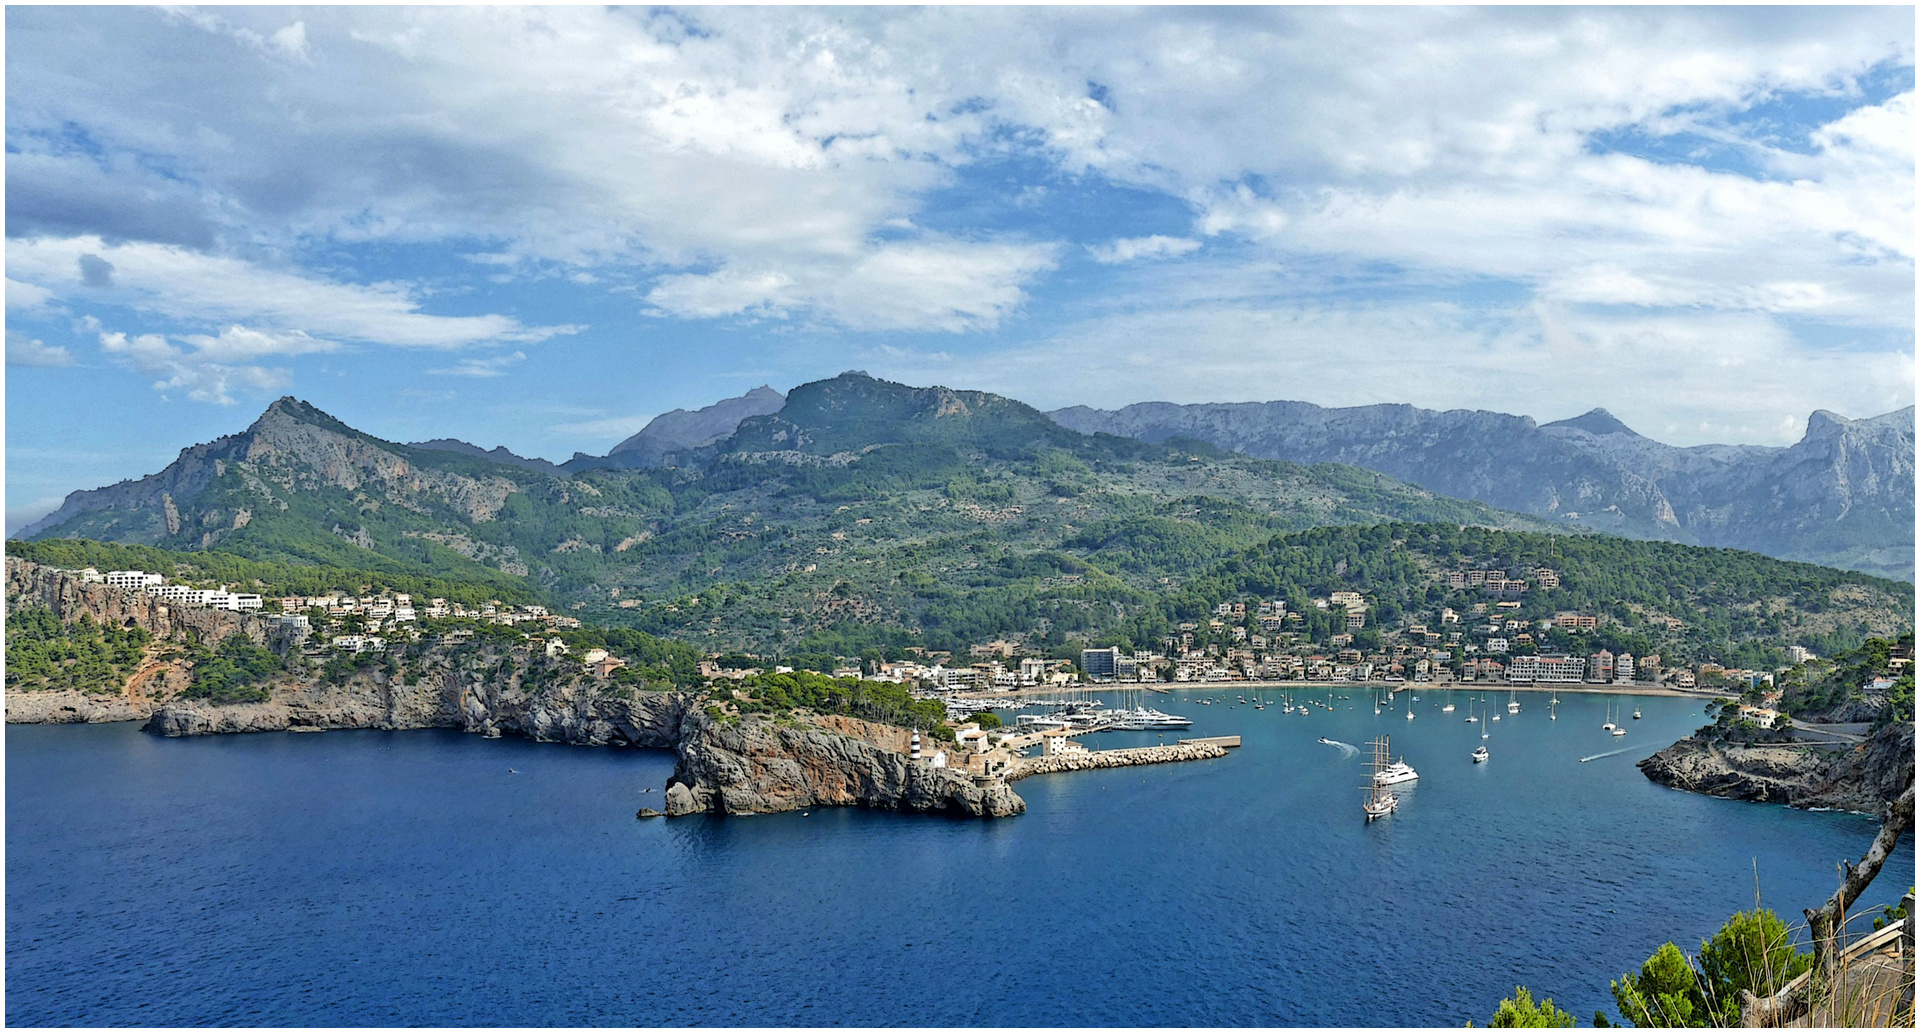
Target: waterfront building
x: 1100, y: 664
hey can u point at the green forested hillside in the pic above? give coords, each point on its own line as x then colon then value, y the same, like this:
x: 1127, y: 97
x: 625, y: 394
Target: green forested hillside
x: 871, y: 517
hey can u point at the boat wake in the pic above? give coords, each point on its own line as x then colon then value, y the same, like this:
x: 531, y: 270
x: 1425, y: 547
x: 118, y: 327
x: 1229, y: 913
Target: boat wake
x: 1345, y: 750
x: 1609, y: 753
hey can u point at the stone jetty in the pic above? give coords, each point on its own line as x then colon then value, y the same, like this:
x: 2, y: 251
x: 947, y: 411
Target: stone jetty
x: 1113, y: 759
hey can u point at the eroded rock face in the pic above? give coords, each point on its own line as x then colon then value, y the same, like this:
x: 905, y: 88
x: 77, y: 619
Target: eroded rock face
x: 1865, y: 778
x: 755, y: 765
x: 69, y: 597
x: 450, y: 694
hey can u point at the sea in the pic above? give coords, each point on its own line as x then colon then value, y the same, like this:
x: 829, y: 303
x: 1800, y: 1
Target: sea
x: 438, y: 878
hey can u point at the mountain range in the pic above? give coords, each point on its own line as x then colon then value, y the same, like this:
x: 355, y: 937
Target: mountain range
x: 866, y: 514
x: 860, y: 502
x: 1842, y: 496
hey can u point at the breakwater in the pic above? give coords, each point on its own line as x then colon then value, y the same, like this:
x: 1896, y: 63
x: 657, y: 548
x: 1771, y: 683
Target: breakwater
x: 1113, y: 759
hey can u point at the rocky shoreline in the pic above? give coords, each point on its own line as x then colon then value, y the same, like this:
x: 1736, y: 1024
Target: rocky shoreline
x: 1866, y: 778
x: 725, y: 764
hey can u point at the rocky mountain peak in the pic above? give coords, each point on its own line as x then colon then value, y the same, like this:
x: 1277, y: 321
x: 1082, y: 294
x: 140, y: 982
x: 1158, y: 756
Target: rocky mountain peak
x: 1597, y: 422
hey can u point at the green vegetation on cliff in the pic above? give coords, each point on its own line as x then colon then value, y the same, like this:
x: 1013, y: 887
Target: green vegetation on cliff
x: 43, y: 654
x: 883, y: 702
x: 1840, y: 684
x: 234, y: 672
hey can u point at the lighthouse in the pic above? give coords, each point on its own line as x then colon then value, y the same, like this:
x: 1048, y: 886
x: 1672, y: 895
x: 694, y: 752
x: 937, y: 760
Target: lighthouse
x: 914, y: 750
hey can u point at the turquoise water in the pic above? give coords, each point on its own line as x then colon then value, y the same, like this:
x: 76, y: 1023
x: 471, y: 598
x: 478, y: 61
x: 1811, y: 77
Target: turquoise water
x: 370, y: 878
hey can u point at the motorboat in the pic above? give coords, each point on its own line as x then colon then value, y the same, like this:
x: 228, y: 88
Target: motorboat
x: 1636, y: 713
x: 1448, y: 709
x: 1479, y: 754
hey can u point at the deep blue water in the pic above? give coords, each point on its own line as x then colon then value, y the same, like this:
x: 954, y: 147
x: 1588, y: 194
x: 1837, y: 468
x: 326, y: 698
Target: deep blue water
x: 369, y: 878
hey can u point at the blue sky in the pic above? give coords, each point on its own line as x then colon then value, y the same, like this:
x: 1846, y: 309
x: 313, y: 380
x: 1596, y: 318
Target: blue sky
x: 542, y: 227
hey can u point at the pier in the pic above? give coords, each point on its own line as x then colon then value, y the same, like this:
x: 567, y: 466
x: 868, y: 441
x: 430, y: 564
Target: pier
x: 1124, y: 758
x: 1224, y: 741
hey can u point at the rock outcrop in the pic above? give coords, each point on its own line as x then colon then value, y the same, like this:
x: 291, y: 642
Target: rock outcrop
x: 36, y: 584
x: 757, y: 764
x: 465, y: 693
x: 1866, y: 778
x: 74, y: 708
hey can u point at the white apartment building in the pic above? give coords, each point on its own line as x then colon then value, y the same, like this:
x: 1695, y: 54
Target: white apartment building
x: 133, y: 578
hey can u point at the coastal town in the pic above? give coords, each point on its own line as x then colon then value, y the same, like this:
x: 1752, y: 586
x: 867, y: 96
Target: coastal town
x: 1247, y: 641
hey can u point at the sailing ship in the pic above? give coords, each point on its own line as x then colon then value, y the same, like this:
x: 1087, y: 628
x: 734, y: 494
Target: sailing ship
x: 1513, y: 701
x: 1380, y: 801
x: 1609, y: 725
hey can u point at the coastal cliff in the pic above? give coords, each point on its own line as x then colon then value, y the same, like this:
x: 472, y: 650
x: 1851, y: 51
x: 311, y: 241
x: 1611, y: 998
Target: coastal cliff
x: 1865, y: 778
x: 751, y: 765
x: 757, y: 764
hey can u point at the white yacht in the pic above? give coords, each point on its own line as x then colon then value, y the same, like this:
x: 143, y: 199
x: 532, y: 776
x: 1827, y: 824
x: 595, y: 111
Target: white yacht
x: 1395, y: 773
x: 1479, y: 754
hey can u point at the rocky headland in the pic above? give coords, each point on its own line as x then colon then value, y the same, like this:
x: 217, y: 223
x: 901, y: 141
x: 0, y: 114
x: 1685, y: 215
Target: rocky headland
x: 725, y: 764
x: 1867, y: 777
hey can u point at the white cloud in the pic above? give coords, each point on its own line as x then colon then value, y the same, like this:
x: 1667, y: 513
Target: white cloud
x: 933, y: 284
x: 26, y: 351
x: 189, y: 286
x: 198, y: 372
x: 240, y: 343
x: 769, y: 164
x: 1128, y: 249
x: 493, y: 366
x: 25, y: 296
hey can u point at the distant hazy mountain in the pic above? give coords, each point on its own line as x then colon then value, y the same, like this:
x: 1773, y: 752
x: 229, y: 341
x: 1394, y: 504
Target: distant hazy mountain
x: 679, y: 430
x: 498, y: 454
x: 1843, y: 496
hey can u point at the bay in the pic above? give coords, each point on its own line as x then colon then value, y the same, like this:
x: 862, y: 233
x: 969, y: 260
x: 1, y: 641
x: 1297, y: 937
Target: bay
x: 430, y: 877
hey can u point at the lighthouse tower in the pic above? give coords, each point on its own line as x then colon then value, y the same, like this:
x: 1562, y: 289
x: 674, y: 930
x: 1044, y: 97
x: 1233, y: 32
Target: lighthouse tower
x: 914, y: 751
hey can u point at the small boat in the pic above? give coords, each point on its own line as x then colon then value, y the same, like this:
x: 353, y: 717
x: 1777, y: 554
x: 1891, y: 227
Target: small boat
x: 1495, y: 717
x: 1636, y: 713
x: 1479, y: 754
x: 1448, y: 709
